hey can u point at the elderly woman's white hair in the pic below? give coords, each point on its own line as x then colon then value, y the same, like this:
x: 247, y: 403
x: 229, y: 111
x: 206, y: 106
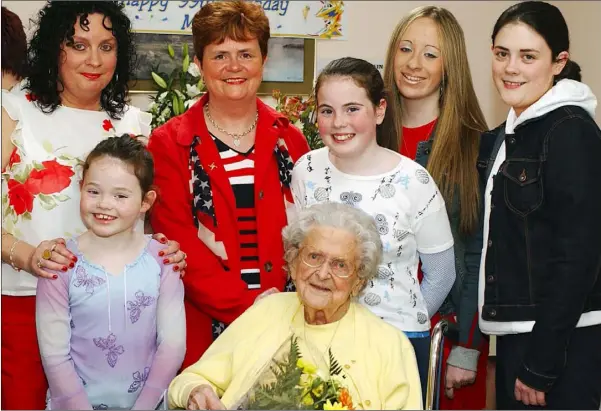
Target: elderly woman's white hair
x: 337, y: 215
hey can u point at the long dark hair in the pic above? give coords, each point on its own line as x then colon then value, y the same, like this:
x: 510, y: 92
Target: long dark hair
x: 55, y: 25
x: 460, y: 122
x: 549, y: 23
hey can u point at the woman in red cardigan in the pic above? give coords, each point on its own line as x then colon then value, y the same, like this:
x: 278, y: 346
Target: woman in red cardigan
x: 223, y: 173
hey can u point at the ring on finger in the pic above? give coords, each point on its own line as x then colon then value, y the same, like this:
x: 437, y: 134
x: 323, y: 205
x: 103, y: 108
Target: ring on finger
x: 39, y: 264
x: 185, y: 255
x: 46, y: 254
x: 54, y: 245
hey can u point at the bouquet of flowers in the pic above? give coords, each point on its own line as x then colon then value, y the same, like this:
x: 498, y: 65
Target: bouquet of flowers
x: 299, y: 110
x: 293, y: 383
x: 176, y: 91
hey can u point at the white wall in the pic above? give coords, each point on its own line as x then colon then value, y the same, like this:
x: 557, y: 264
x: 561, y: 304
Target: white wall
x: 370, y: 23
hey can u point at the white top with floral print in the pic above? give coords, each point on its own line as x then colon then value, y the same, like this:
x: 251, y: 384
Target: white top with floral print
x: 40, y: 185
x: 411, y: 218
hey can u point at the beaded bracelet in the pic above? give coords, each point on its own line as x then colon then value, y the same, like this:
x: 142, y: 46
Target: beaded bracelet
x: 10, y: 256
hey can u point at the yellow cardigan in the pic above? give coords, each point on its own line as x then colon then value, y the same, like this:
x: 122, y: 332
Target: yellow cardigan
x: 377, y: 359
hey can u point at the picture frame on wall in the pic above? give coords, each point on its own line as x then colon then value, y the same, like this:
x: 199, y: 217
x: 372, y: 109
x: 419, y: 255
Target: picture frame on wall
x: 290, y: 65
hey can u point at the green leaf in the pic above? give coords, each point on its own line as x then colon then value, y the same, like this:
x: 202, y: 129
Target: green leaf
x: 37, y: 166
x: 201, y: 84
x: 185, y: 49
x: 159, y: 80
x: 61, y: 197
x: 22, y: 176
x: 47, y: 146
x: 47, y: 202
x: 186, y: 64
x: 171, y: 51
x: 26, y: 216
x: 45, y: 198
x: 182, y: 106
x: 65, y: 157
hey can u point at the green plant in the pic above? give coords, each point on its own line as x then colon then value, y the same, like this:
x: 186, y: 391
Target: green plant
x: 176, y: 91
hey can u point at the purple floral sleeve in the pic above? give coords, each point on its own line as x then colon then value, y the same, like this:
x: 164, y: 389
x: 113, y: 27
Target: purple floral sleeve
x: 171, y: 339
x: 54, y: 334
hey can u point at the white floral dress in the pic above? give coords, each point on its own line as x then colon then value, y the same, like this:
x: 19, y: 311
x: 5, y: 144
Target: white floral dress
x: 40, y: 185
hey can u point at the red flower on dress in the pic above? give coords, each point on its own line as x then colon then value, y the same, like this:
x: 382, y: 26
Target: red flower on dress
x: 54, y: 178
x: 15, y: 158
x: 20, y: 197
x: 30, y: 97
x: 107, y: 125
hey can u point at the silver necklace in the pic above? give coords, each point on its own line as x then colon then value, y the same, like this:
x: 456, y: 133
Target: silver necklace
x: 236, y: 137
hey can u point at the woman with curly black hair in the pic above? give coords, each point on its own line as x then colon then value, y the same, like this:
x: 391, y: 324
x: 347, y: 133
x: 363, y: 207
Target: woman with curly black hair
x: 81, y: 57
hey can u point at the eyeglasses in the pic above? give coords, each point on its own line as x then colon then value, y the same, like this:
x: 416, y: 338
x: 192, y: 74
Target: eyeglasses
x: 340, y: 267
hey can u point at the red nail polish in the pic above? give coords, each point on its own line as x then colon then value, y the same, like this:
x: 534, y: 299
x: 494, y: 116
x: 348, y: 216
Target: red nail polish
x: 163, y: 240
x: 166, y: 261
x: 64, y: 268
x: 175, y: 268
x: 71, y: 265
x: 161, y: 253
x: 74, y: 259
x: 55, y: 276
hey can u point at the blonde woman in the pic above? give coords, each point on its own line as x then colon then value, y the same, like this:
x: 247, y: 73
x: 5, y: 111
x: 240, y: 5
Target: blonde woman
x: 433, y: 116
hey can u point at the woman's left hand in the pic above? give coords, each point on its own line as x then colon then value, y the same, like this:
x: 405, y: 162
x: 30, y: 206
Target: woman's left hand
x: 172, y: 254
x: 456, y: 378
x: 527, y: 395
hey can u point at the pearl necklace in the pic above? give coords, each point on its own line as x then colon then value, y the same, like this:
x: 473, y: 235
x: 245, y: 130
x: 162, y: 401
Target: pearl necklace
x: 236, y: 137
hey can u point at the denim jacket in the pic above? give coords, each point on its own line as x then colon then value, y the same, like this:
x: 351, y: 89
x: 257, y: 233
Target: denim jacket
x: 463, y: 298
x: 543, y: 258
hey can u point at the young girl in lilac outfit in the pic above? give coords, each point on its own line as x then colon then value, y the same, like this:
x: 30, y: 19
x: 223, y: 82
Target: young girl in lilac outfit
x: 112, y: 330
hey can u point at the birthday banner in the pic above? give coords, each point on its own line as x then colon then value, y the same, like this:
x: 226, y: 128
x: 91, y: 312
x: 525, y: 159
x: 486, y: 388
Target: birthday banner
x: 307, y: 19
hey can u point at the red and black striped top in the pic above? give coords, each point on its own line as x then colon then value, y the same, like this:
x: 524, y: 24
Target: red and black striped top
x: 240, y: 171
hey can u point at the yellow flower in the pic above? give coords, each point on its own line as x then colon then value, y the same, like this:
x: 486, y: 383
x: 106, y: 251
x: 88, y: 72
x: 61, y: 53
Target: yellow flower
x: 336, y: 406
x: 306, y: 366
x: 307, y: 400
x: 305, y: 380
x: 318, y: 391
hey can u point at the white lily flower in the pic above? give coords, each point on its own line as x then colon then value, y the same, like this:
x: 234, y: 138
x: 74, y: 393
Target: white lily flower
x: 191, y: 102
x: 192, y: 91
x: 193, y: 70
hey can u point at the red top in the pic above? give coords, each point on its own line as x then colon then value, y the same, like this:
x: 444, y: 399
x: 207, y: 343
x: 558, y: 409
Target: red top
x: 240, y: 171
x: 413, y: 136
x: 214, y: 289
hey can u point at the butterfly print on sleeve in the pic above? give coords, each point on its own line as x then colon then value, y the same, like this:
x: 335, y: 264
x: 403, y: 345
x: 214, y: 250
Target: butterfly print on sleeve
x: 135, y: 307
x: 113, y: 351
x: 139, y: 380
x: 83, y: 279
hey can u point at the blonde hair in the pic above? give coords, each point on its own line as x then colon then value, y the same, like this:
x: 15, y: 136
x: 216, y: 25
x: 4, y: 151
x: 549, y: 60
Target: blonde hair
x: 452, y: 162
